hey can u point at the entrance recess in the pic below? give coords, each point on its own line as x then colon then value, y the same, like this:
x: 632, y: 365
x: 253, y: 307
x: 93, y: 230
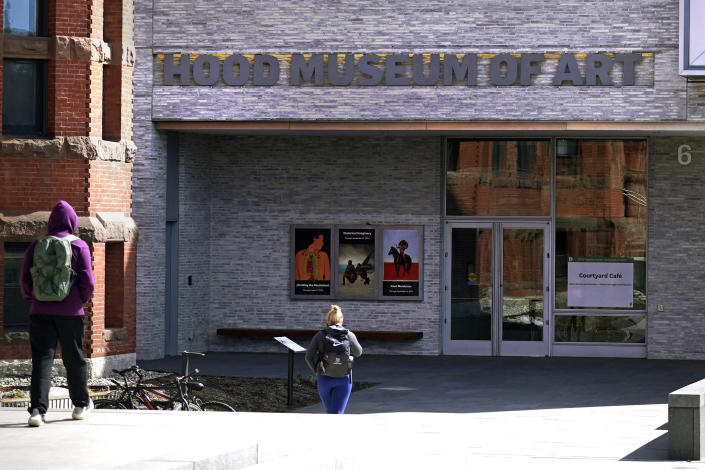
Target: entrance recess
x: 497, y: 288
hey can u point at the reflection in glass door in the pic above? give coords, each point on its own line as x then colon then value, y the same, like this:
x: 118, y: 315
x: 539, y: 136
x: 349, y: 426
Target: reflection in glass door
x: 496, y: 286
x: 523, y: 287
x: 471, y: 282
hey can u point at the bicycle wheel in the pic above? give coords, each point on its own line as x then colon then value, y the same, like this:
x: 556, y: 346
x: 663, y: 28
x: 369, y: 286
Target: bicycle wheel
x: 191, y: 407
x: 216, y: 406
x: 108, y: 405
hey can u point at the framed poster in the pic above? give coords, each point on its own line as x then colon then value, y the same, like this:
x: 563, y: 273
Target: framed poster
x: 311, y: 262
x: 402, y: 257
x: 356, y: 274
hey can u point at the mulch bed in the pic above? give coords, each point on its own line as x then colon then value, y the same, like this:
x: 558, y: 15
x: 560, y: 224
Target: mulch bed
x: 251, y: 393
x: 258, y: 394
x: 245, y: 393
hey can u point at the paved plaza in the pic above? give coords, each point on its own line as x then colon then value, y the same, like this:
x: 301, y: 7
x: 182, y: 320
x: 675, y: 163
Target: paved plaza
x: 424, y: 412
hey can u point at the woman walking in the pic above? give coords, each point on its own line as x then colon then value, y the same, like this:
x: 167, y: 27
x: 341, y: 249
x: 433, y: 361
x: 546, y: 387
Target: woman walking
x: 330, y: 355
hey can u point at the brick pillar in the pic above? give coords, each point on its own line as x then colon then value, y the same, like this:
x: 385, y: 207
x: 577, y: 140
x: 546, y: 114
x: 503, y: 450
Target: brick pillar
x: 94, y: 177
x: 117, y: 264
x: 130, y: 298
x: 110, y: 187
x: 121, y: 296
x: 94, y: 345
x: 2, y: 281
x: 2, y: 25
x: 75, y: 84
x: 69, y: 92
x: 95, y: 121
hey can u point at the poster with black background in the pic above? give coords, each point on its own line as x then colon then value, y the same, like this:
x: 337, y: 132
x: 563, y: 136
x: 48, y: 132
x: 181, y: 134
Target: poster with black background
x: 312, y: 261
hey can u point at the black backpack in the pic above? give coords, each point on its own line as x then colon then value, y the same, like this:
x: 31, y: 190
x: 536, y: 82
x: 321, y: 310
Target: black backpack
x: 335, y: 358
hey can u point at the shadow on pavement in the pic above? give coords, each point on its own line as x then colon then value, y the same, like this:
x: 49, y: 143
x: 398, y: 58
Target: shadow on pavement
x: 654, y: 451
x: 476, y: 384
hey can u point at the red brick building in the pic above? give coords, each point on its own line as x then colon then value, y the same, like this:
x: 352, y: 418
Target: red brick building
x: 67, y: 89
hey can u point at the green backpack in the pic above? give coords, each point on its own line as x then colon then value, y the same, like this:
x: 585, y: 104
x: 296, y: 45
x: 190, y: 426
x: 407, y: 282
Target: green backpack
x: 51, y: 272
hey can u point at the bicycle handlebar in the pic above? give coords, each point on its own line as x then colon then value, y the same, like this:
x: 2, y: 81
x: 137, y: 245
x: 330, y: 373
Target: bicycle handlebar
x: 192, y: 354
x: 135, y: 369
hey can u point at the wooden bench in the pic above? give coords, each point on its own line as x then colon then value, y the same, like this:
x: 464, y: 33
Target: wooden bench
x: 686, y: 422
x: 361, y: 335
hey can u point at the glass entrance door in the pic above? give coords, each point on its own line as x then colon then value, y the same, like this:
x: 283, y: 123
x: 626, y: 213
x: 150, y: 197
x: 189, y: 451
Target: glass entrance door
x: 497, y: 288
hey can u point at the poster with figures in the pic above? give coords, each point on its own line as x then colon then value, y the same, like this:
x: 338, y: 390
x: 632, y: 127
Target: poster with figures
x: 356, y: 273
x: 402, y: 251
x: 311, y: 262
x: 364, y: 262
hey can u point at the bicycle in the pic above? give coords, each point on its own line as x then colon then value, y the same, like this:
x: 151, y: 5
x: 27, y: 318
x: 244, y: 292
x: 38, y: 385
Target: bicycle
x: 187, y: 388
x: 140, y: 396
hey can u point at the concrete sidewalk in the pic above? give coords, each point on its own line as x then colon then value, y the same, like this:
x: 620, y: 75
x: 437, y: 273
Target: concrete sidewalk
x: 462, y: 384
x: 425, y: 412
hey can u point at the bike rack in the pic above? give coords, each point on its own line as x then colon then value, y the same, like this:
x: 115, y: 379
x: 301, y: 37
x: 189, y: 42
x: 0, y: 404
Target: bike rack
x: 185, y: 361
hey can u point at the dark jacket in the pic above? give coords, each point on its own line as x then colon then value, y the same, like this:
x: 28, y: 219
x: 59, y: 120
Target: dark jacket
x: 63, y: 221
x: 314, y: 348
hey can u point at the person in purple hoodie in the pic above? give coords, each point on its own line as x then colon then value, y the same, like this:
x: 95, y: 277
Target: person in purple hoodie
x: 62, y: 320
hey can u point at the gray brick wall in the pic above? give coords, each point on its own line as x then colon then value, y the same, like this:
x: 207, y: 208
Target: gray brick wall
x: 258, y: 178
x: 148, y: 210
x: 696, y: 101
x: 195, y: 189
x: 422, y: 103
x: 676, y: 250
x: 298, y: 180
x: 315, y: 25
x: 435, y: 26
x: 148, y: 204
x: 148, y: 196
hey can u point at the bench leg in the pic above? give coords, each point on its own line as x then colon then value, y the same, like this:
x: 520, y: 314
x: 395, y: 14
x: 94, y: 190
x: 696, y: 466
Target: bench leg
x: 685, y: 433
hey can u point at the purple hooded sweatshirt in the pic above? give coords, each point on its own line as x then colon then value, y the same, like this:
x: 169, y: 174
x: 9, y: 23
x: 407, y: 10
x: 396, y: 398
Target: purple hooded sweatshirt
x: 63, y: 221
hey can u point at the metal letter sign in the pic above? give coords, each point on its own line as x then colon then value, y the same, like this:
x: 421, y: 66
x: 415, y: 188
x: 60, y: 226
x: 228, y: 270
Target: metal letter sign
x: 418, y: 69
x: 692, y: 40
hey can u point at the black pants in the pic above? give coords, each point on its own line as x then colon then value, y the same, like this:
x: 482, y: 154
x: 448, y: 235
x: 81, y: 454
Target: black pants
x: 44, y: 331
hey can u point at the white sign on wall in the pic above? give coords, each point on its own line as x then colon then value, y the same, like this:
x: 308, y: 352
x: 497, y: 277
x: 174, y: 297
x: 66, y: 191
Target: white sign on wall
x: 600, y: 282
x: 692, y: 37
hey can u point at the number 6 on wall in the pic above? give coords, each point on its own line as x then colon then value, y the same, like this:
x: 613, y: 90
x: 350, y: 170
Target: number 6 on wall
x: 684, y: 156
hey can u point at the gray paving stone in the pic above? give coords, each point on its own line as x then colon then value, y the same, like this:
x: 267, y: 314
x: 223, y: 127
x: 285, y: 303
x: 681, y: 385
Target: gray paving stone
x: 425, y: 412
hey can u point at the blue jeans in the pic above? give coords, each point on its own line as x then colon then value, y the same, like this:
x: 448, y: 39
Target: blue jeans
x: 334, y: 392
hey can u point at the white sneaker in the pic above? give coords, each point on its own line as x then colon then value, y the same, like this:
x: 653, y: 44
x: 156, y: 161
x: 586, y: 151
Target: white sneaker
x: 37, y: 418
x: 80, y: 412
